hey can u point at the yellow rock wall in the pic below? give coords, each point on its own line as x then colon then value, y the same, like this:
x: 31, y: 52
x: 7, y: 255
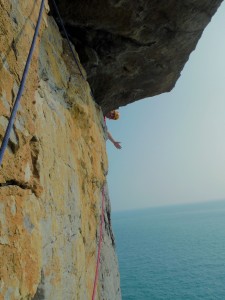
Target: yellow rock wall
x: 53, y: 170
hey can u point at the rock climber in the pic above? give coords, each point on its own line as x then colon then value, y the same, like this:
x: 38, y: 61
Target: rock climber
x: 113, y: 115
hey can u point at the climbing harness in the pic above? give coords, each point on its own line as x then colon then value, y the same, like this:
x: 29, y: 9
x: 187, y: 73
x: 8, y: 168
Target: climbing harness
x: 21, y: 88
x: 99, y: 245
x: 67, y: 37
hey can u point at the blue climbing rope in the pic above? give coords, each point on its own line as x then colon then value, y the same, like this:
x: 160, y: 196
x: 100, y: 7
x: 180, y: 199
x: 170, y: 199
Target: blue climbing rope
x: 21, y: 88
x: 67, y: 37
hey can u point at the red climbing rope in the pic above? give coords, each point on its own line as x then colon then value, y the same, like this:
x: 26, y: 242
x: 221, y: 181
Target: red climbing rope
x: 99, y: 245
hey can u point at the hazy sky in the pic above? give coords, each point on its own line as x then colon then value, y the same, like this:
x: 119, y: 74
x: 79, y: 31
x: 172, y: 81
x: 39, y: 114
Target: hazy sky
x: 174, y: 143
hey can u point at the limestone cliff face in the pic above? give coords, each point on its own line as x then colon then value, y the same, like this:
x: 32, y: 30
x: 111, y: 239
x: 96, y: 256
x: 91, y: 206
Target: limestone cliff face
x: 53, y: 170
x: 55, y: 165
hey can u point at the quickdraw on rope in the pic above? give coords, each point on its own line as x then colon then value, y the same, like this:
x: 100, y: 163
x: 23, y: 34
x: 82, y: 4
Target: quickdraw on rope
x: 99, y: 245
x: 21, y: 88
x: 67, y: 37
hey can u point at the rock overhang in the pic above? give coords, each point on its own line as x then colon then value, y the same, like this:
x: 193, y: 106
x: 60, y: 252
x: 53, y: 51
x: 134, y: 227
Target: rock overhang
x: 134, y: 49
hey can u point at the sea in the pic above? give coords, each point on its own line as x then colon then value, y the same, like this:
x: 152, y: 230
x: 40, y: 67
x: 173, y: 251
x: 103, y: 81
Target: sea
x: 175, y: 252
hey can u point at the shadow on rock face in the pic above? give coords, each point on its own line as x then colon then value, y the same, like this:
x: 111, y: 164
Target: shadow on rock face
x: 134, y: 49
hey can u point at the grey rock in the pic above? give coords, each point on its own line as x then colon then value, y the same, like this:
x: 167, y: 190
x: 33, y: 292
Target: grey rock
x: 4, y: 100
x: 109, y: 278
x: 4, y: 123
x: 134, y: 49
x: 27, y: 223
x: 40, y: 293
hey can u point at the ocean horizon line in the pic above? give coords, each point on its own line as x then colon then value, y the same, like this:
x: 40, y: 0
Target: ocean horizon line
x: 176, y: 204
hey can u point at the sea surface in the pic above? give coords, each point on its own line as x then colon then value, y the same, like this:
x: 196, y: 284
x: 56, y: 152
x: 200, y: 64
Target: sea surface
x: 172, y: 253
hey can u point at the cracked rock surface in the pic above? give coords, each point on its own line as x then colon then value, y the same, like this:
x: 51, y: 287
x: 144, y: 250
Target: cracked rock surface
x: 134, y: 49
x: 53, y: 170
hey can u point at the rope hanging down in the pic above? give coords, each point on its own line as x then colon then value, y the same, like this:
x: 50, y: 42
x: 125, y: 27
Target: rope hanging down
x: 67, y: 37
x: 99, y: 245
x: 21, y: 88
